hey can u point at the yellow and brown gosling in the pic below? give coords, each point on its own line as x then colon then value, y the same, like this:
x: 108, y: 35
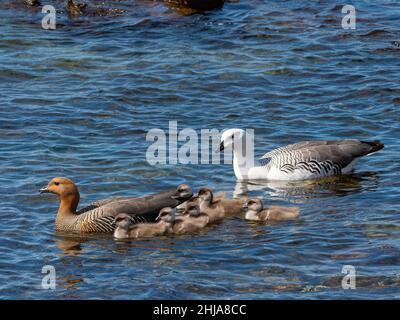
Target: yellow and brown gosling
x: 191, y: 220
x: 232, y: 207
x: 99, y: 216
x: 255, y: 211
x: 127, y: 229
x: 210, y: 206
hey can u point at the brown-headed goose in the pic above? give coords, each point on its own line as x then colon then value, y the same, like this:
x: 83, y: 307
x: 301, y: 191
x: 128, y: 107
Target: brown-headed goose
x: 126, y: 229
x: 255, y: 211
x: 99, y: 216
x: 210, y: 206
x: 191, y: 220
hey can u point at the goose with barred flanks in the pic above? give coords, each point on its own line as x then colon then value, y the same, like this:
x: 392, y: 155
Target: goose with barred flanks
x: 99, y: 216
x: 299, y: 161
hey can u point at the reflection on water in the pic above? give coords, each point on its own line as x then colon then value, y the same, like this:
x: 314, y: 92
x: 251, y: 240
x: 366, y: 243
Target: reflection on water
x: 69, y: 247
x: 300, y: 191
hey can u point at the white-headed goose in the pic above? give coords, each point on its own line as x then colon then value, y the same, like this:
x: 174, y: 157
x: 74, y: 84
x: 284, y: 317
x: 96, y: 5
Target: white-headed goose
x: 299, y: 161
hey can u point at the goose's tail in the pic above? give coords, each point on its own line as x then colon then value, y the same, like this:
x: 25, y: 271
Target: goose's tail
x: 375, y: 146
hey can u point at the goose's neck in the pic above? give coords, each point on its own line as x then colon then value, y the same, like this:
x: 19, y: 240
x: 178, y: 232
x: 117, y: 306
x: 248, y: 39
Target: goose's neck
x: 203, y: 205
x: 68, y: 206
x: 241, y: 164
x: 252, y: 215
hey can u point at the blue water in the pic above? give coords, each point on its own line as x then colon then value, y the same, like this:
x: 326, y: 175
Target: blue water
x: 78, y: 101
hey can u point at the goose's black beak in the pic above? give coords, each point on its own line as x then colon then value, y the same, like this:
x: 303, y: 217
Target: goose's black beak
x: 44, y: 190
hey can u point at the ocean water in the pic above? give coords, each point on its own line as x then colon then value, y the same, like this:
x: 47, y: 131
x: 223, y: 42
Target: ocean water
x: 78, y: 101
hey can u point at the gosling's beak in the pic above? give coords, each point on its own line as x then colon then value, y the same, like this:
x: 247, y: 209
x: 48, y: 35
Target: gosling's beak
x: 221, y: 146
x: 176, y: 197
x: 44, y: 190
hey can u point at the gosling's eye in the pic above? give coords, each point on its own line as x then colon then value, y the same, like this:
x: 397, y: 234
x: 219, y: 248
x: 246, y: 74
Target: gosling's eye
x: 57, y: 183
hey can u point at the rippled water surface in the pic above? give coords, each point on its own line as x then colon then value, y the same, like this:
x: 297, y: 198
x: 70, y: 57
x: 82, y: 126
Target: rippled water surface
x: 78, y: 101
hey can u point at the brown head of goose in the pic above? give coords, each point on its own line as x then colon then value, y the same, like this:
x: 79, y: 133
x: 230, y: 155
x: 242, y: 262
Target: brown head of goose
x: 99, y: 216
x: 127, y: 229
x: 255, y: 211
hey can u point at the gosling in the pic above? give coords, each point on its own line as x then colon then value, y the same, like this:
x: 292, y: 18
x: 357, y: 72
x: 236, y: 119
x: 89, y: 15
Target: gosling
x: 191, y: 220
x: 209, y: 206
x: 127, y: 230
x: 254, y: 211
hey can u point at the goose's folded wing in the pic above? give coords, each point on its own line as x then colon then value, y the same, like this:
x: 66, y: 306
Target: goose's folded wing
x: 99, y: 203
x: 147, y: 207
x: 341, y: 152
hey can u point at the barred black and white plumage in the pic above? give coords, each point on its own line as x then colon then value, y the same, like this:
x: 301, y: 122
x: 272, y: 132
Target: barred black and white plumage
x: 300, y: 161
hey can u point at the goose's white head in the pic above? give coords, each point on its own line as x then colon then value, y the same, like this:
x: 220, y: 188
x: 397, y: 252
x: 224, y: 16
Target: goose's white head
x: 230, y: 137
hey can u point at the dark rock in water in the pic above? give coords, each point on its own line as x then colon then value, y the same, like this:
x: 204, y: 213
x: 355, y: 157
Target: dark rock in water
x: 107, y: 12
x: 199, y: 5
x: 75, y: 9
x: 32, y: 3
x: 82, y: 9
